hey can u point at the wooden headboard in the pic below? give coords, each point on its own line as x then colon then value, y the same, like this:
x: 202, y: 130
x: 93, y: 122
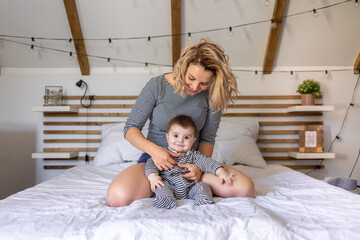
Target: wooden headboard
x: 81, y: 131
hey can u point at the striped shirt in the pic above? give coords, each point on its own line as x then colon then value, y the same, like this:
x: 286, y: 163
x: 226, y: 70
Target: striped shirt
x: 180, y: 185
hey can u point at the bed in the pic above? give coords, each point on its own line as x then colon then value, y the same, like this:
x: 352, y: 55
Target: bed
x: 288, y: 203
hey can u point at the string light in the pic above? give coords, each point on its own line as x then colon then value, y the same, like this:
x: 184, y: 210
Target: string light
x: 315, y: 12
x: 108, y: 62
x: 273, y: 24
x: 71, y: 56
x: 267, y: 3
x: 256, y: 74
x: 32, y: 40
x: 291, y: 74
x: 312, y: 1
x: 146, y: 66
x: 326, y: 73
x: 356, y: 3
x: 189, y: 36
x: 69, y: 41
x: 230, y: 31
x: 110, y: 43
x: 31, y: 48
x: 148, y: 40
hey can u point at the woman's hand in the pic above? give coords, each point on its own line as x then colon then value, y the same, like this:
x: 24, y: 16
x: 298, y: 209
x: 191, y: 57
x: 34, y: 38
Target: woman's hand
x: 163, y: 159
x: 194, y: 173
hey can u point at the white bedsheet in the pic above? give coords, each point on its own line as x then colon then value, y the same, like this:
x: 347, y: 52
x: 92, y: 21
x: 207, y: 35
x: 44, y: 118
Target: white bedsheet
x: 289, y: 205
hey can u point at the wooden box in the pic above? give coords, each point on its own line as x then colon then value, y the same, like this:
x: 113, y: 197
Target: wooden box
x: 311, y: 139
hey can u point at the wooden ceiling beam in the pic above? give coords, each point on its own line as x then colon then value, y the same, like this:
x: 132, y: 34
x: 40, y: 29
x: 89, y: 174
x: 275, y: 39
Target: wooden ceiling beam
x: 357, y: 65
x: 176, y: 29
x: 273, y: 38
x: 76, y: 32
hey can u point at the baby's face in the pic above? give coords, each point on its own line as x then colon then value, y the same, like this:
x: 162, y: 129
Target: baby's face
x: 180, y: 139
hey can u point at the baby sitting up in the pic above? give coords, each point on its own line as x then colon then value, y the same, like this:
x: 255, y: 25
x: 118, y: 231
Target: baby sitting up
x: 169, y: 185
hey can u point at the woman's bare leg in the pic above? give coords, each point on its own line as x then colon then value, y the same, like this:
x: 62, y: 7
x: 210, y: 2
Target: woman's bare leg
x: 242, y: 185
x: 128, y: 186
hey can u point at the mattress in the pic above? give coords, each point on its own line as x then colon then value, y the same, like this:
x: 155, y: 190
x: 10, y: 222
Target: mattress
x: 288, y: 205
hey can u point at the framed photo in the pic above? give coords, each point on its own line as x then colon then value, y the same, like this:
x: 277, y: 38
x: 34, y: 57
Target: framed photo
x: 53, y: 95
x: 311, y: 139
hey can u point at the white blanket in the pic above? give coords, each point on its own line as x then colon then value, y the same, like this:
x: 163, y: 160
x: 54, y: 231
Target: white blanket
x: 289, y: 205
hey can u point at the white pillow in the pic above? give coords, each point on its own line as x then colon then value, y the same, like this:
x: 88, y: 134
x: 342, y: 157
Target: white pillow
x: 236, y: 143
x: 114, y: 148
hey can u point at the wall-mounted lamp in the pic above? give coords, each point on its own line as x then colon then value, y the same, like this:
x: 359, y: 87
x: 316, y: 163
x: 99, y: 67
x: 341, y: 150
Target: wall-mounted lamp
x: 91, y: 97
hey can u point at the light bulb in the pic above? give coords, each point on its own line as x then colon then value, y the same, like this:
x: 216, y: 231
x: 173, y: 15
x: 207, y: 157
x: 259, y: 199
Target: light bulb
x: 267, y: 3
x: 110, y: 43
x: 230, y: 31
x: 291, y: 74
x: 256, y: 74
x: 31, y: 48
x: 146, y: 66
x: 356, y: 4
x: 315, y: 13
x: 32, y: 40
x: 70, y: 56
x: 148, y: 41
x: 69, y: 42
x: 326, y: 73
x: 189, y: 36
x: 273, y: 24
x: 312, y: 1
x: 108, y: 62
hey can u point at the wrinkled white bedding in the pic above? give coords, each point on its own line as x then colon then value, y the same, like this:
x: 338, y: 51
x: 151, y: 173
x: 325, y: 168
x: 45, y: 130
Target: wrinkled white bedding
x: 289, y: 205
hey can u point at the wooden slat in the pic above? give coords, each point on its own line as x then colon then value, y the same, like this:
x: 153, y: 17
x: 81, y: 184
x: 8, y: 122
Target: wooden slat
x: 264, y: 105
x: 274, y: 35
x: 280, y: 132
x: 249, y: 97
x: 58, y: 167
x: 127, y: 97
x: 176, y: 29
x: 72, y: 140
x: 103, y: 105
x: 76, y: 32
x: 298, y: 167
x: 72, y: 159
x: 277, y: 141
x: 70, y: 149
x: 86, y: 114
x: 97, y: 132
x: 270, y: 123
x: 279, y: 149
x: 292, y: 114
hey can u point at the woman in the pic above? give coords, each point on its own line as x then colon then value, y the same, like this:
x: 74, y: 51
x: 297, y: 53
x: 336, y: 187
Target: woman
x: 201, y: 86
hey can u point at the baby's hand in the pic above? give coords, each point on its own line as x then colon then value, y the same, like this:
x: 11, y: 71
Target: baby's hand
x: 155, y: 181
x: 224, y: 176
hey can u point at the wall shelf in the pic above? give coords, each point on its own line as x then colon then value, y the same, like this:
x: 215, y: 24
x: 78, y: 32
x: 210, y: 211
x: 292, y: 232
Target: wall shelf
x: 299, y: 155
x: 55, y: 155
x: 310, y: 108
x: 55, y: 109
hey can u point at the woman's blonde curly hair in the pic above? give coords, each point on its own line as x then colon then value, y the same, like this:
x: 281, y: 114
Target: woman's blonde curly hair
x: 212, y: 57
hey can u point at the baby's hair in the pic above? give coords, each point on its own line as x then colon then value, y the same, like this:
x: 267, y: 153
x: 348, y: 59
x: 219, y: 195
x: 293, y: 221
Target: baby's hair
x: 182, y: 120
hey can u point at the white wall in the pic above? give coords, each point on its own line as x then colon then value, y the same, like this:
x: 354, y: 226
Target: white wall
x: 22, y: 89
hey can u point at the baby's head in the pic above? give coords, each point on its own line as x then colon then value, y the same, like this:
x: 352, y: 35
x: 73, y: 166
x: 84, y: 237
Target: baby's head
x: 181, y: 133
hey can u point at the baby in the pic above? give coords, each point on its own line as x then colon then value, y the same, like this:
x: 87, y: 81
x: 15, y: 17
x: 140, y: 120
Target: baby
x: 169, y: 185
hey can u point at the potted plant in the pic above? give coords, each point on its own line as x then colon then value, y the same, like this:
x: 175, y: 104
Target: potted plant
x: 308, y: 89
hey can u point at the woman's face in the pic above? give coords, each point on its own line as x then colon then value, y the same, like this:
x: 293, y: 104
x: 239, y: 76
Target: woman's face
x: 197, y: 79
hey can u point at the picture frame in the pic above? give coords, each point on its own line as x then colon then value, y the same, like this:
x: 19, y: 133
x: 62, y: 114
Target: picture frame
x: 311, y: 139
x: 53, y: 95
